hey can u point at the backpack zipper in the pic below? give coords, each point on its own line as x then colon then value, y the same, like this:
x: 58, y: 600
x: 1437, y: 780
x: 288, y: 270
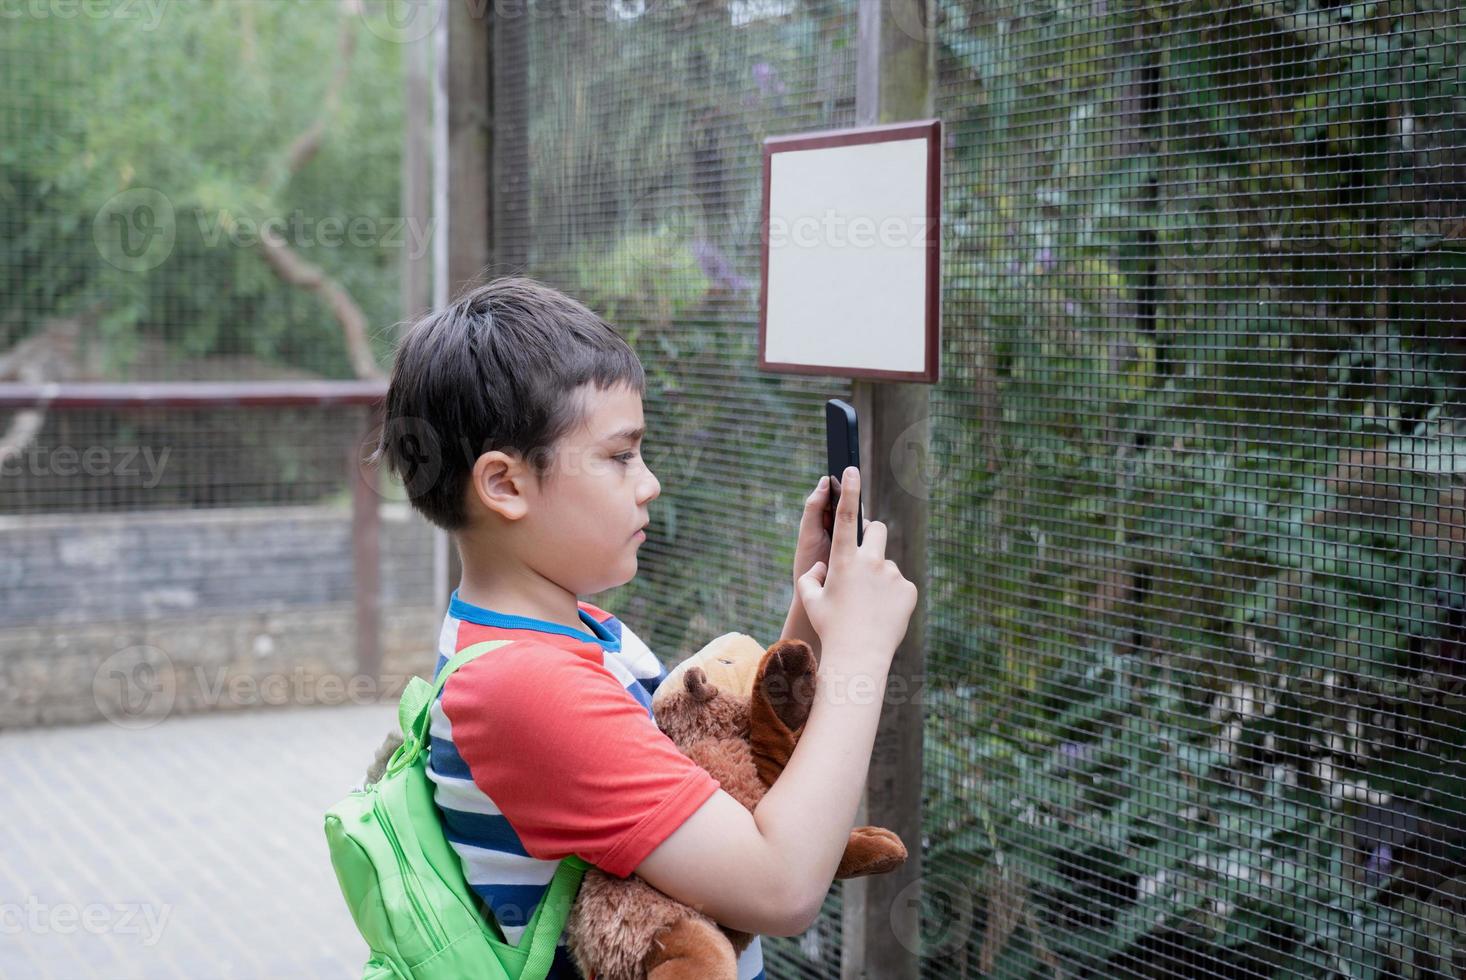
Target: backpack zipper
x: 408, y: 884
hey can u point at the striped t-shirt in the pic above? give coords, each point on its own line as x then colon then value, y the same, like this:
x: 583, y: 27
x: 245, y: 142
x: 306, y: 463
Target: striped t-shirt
x: 547, y: 747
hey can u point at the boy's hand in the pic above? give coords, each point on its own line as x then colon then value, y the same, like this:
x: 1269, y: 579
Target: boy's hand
x: 813, y: 543
x: 858, y: 599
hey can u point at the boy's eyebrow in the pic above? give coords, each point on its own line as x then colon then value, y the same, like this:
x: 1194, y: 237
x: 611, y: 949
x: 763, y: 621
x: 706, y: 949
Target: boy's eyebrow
x: 630, y: 434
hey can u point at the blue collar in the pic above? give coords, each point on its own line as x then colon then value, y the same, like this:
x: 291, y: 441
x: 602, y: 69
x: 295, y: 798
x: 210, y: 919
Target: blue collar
x: 595, y: 632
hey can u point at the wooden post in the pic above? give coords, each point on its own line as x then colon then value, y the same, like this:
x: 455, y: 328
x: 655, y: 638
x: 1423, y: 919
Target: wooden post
x: 417, y: 177
x: 366, y: 550
x: 463, y: 66
x: 462, y: 195
x: 509, y: 163
x: 894, y: 70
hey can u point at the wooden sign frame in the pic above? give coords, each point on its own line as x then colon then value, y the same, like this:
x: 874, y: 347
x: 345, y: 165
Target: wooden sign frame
x: 931, y: 131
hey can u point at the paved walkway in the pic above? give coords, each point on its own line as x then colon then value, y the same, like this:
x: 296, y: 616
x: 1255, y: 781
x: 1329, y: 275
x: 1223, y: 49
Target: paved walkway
x: 192, y: 849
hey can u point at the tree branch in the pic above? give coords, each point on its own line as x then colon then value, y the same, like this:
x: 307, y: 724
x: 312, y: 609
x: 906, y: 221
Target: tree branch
x: 278, y: 254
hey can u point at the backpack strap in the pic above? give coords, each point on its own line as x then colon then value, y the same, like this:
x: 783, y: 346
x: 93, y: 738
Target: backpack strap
x: 550, y: 917
x: 414, y: 711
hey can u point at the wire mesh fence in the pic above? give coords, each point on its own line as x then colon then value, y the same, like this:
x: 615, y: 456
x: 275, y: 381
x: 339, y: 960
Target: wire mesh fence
x: 1195, y: 688
x: 1196, y: 683
x: 638, y: 136
x: 1196, y: 554
x: 212, y: 193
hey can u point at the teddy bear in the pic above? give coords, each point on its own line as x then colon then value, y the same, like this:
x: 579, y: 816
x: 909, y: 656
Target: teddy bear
x: 735, y: 709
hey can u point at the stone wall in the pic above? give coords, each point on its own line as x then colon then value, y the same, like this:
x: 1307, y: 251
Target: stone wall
x: 134, y: 617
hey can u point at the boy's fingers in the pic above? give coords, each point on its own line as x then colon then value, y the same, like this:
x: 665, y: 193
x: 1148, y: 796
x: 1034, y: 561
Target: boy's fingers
x: 843, y: 538
x: 875, y: 539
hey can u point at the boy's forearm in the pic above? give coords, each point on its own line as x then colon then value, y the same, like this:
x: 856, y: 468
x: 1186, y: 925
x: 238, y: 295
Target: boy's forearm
x: 808, y: 813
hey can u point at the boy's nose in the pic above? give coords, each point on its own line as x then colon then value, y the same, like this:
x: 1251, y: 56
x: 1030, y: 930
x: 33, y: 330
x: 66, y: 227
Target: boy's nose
x: 653, y: 488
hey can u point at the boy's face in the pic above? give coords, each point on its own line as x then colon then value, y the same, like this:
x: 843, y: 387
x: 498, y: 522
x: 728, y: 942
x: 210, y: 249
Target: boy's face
x: 584, y: 524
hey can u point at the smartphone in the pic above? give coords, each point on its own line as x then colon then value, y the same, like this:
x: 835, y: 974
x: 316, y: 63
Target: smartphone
x: 842, y: 449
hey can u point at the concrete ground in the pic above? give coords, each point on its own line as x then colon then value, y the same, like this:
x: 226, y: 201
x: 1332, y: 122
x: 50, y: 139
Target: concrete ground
x: 190, y: 849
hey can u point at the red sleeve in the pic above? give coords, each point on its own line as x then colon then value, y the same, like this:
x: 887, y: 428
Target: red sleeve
x: 570, y: 758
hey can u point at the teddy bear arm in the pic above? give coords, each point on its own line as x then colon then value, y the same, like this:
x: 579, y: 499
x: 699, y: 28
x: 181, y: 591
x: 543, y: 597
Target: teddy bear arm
x: 870, y: 851
x: 779, y: 706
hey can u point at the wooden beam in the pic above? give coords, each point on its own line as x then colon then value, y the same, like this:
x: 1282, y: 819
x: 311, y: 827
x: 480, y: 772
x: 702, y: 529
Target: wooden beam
x: 417, y: 176
x: 462, y: 191
x: 463, y: 51
x: 366, y: 551
x: 895, y: 68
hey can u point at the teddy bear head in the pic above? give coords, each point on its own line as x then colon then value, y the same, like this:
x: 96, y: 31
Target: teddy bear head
x: 707, y: 695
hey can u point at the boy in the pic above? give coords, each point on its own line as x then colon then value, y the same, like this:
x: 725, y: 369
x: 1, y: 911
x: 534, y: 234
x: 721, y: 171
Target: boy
x: 523, y: 410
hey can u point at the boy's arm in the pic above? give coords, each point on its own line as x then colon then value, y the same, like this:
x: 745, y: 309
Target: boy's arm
x: 768, y: 871
x: 798, y: 627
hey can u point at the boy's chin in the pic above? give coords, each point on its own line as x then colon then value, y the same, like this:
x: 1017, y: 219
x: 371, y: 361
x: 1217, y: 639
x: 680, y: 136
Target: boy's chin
x: 613, y: 580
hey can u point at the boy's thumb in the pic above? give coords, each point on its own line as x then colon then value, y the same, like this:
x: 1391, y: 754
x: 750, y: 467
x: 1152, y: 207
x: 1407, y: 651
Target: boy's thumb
x: 812, y: 581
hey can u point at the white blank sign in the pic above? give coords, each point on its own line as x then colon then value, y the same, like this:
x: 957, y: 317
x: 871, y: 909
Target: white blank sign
x: 851, y: 250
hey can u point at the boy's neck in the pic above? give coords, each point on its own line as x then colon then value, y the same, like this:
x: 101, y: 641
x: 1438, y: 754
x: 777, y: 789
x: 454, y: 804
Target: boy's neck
x: 525, y: 594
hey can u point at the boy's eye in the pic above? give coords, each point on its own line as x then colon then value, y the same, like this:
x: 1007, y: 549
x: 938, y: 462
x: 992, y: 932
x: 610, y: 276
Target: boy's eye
x: 624, y: 457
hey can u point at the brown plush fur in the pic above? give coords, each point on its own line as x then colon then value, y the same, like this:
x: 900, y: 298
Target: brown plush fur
x: 622, y: 928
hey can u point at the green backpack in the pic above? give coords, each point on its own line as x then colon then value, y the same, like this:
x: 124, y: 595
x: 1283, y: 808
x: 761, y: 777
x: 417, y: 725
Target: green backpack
x: 403, y: 880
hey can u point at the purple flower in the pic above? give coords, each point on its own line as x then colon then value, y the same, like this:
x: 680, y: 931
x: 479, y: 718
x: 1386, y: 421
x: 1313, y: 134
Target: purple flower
x: 1377, y: 868
x: 766, y: 77
x: 716, y: 267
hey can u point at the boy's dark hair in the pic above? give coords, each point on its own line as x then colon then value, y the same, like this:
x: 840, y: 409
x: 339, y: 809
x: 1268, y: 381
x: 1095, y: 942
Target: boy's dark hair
x: 496, y: 369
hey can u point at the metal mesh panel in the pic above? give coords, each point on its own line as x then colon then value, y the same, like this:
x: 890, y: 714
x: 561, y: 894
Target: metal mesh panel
x: 1196, y: 583
x: 641, y: 133
x: 192, y: 188
x: 200, y: 192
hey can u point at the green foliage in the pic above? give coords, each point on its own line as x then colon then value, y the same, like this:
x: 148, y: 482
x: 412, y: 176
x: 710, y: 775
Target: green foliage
x: 1193, y: 623
x: 200, y: 107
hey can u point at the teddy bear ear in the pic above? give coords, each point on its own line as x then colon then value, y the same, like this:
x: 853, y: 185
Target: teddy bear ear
x: 697, y: 684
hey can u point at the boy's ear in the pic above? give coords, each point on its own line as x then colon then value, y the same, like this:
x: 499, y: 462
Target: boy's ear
x: 500, y: 483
